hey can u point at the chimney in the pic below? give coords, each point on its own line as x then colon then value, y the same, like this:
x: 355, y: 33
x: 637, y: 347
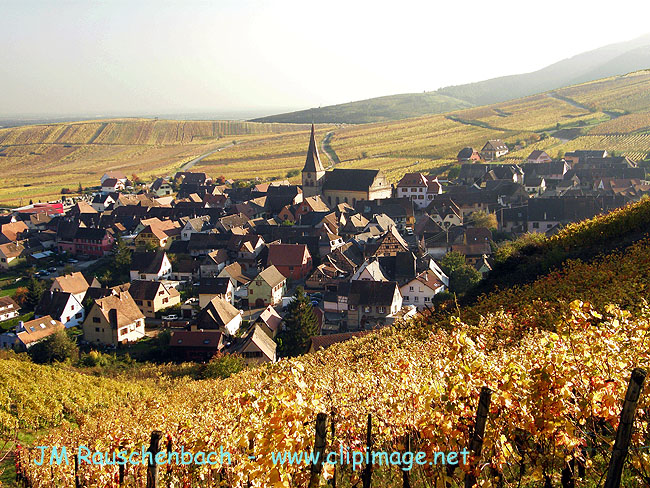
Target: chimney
x: 20, y: 327
x: 112, y: 317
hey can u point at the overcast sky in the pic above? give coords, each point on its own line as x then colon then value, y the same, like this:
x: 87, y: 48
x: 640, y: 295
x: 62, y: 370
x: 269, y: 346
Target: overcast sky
x: 130, y: 57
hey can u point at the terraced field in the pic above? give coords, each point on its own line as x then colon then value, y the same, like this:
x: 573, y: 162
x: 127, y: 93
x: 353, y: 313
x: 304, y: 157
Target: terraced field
x: 38, y: 161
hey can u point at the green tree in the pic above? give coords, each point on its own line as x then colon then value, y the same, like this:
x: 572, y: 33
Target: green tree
x: 462, y: 276
x: 481, y: 218
x: 223, y: 365
x: 300, y: 323
x: 463, y: 279
x: 35, y: 289
x: 121, y: 261
x: 57, y: 347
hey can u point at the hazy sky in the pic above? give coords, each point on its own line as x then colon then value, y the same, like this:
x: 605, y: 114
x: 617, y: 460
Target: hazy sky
x: 180, y: 56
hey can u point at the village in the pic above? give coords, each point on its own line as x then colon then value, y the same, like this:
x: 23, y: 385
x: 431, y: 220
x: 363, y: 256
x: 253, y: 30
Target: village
x: 217, y: 263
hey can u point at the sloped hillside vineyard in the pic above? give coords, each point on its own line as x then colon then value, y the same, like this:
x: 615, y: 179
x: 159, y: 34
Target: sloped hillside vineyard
x: 557, y: 354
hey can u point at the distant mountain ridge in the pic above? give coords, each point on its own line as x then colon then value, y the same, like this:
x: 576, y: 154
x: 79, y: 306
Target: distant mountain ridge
x: 610, y: 60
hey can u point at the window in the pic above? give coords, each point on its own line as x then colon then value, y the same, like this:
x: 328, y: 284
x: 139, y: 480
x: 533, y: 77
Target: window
x: 535, y: 225
x: 96, y: 320
x: 381, y: 309
x: 78, y: 316
x: 352, y: 307
x: 143, y: 276
x: 149, y: 303
x: 96, y: 329
x: 367, y: 309
x: 165, y: 300
x: 410, y: 288
x: 426, y: 299
x: 416, y: 298
x: 406, y: 297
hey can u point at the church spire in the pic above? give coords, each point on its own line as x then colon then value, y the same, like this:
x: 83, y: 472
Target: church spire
x: 312, y: 163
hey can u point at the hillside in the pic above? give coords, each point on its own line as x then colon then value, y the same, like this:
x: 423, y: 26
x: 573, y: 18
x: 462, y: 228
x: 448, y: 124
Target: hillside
x: 37, y: 161
x: 593, y: 111
x: 392, y: 107
x: 611, y: 60
x: 557, y: 354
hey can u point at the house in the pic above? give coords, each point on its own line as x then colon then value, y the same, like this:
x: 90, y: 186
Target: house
x: 534, y: 185
x: 28, y: 334
x: 292, y: 260
x: 102, y: 202
x: 62, y: 306
x: 468, y: 154
x: 197, y: 224
x: 213, y: 263
x: 93, y: 242
x: 324, y: 276
x: 372, y: 303
x: 219, y: 314
x: 115, y: 319
x: 195, y: 345
x: 270, y: 321
x: 255, y: 347
x: 161, y: 187
x: 11, y: 255
x: 369, y: 271
x: 414, y: 186
x: 8, y: 309
x: 239, y: 280
x: 421, y: 290
x: 494, y: 149
x: 554, y: 170
x: 538, y: 156
x: 118, y: 175
x: 153, y: 296
x: 157, y: 233
x: 74, y: 283
x: 112, y: 185
x: 388, y: 244
x: 210, y: 288
x: 150, y: 265
x: 267, y: 288
x: 13, y: 231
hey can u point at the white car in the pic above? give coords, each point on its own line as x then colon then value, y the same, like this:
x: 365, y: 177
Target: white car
x: 170, y: 317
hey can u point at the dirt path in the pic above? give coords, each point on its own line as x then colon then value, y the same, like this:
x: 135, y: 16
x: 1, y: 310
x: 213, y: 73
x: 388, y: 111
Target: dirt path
x: 329, y: 151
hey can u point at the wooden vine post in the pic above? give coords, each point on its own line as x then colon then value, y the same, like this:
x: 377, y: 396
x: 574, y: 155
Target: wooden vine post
x: 152, y: 468
x: 320, y: 441
x: 333, y: 480
x: 476, y: 443
x: 624, y: 431
x: 406, y: 475
x: 367, y: 473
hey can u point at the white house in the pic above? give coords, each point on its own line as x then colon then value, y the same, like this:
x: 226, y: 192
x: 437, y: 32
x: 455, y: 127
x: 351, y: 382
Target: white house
x: 150, y: 266
x: 369, y: 271
x: 61, y: 306
x: 421, y: 289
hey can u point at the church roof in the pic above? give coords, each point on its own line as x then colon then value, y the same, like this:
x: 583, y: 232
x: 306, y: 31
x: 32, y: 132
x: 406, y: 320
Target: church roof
x: 350, y: 179
x: 312, y: 163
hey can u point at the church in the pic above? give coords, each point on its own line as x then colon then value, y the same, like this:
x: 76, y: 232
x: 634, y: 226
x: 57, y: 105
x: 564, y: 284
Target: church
x: 341, y: 185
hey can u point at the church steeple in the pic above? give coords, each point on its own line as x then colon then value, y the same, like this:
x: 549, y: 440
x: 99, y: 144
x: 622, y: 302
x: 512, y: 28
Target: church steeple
x: 312, y: 163
x: 313, y: 172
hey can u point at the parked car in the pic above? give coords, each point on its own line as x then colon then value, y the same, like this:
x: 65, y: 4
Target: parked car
x: 73, y: 260
x: 170, y: 317
x: 52, y: 269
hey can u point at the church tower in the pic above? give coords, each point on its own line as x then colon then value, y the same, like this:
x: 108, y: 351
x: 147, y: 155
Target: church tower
x: 313, y: 173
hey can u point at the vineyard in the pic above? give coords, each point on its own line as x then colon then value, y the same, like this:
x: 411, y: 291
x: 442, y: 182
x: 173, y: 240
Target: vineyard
x: 557, y: 355
x: 625, y: 124
x: 39, y: 160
